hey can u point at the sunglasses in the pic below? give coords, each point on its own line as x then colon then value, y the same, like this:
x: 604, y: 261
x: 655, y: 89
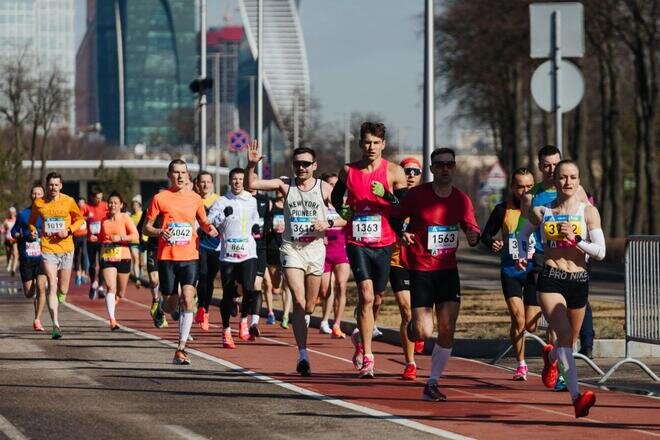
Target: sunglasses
x: 302, y: 163
x: 412, y: 171
x: 446, y: 164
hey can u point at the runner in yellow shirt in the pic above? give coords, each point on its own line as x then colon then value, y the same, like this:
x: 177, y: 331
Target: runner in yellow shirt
x: 61, y: 217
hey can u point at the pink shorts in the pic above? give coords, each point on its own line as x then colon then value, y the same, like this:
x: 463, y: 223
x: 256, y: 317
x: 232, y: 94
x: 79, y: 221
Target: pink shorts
x: 335, y: 254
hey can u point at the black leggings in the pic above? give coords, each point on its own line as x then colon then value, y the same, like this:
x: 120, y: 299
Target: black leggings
x: 94, y: 252
x: 244, y: 274
x: 209, y: 264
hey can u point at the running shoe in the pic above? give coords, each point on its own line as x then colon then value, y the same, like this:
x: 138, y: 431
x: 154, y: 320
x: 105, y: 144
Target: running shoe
x: 78, y: 280
x: 113, y: 325
x: 199, y: 316
x: 303, y: 368
x: 325, y: 328
x: 56, y: 333
x: 176, y: 313
x: 243, y: 332
x: 101, y: 292
x: 583, y: 403
x: 432, y: 393
x: 550, y: 372
x: 521, y: 373
x: 254, y: 332
x: 61, y: 297
x: 36, y: 325
x: 227, y: 340
x: 410, y: 372
x: 138, y: 283
x: 358, y: 354
x: 271, y: 319
x: 181, y: 358
x: 561, y: 384
x: 205, y: 322
x: 419, y: 347
x: 285, y: 323
x: 154, y: 308
x: 367, y: 370
x: 377, y: 333
x: 337, y: 333
x: 158, y: 314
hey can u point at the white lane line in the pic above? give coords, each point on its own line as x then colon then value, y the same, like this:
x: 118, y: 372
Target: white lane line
x: 10, y: 430
x: 184, y: 432
x: 337, y: 402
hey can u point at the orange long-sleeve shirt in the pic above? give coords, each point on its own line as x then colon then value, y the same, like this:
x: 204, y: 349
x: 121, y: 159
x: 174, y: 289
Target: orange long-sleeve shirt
x: 58, y: 215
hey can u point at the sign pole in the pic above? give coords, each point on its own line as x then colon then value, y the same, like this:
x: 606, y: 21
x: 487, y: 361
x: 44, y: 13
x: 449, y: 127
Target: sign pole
x: 260, y: 80
x: 202, y: 95
x: 556, y: 77
x: 216, y: 99
x: 429, y: 92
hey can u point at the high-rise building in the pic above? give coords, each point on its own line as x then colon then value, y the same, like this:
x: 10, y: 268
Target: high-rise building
x: 143, y: 94
x: 43, y: 31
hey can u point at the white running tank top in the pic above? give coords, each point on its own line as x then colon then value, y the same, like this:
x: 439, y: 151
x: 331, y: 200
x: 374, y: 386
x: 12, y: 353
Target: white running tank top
x: 301, y: 210
x: 549, y: 227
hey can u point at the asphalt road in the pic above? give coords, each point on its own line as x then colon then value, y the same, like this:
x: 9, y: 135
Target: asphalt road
x: 93, y: 384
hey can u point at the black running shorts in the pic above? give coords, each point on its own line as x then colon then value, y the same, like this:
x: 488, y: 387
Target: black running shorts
x: 434, y: 287
x: 399, y: 279
x: 174, y: 273
x: 370, y: 263
x: 30, y: 269
x: 573, y: 286
x: 262, y: 260
x: 523, y: 288
x: 122, y: 266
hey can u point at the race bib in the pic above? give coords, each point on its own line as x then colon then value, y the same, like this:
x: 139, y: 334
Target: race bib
x: 442, y: 239
x: 513, y: 246
x: 556, y: 239
x: 278, y: 223
x: 33, y: 248
x: 237, y: 247
x: 111, y: 253
x: 302, y: 229
x: 53, y: 225
x: 367, y: 228
x: 95, y: 228
x: 180, y: 233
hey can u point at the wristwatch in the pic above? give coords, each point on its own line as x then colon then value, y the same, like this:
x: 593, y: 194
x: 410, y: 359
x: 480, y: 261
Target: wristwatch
x: 577, y: 239
x: 331, y: 222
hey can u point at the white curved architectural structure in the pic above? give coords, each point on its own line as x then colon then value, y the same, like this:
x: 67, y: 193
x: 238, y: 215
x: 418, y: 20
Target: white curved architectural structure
x: 286, y: 73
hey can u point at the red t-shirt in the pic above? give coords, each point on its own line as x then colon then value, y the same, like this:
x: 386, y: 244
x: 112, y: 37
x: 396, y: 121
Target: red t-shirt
x: 94, y: 216
x: 435, y: 221
x: 179, y: 210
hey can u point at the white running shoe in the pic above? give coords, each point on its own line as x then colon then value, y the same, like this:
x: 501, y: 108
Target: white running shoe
x: 325, y: 328
x: 377, y: 333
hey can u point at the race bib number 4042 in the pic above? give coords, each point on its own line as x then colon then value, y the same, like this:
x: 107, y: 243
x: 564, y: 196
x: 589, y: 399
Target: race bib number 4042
x: 442, y: 239
x: 53, y: 225
x: 180, y: 233
x: 367, y: 228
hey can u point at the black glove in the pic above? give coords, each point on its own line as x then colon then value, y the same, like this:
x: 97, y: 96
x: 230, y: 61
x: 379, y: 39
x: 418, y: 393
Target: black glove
x: 256, y: 230
x: 228, y: 211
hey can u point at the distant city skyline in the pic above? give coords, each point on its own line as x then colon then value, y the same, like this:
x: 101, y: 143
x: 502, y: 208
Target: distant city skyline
x: 364, y: 56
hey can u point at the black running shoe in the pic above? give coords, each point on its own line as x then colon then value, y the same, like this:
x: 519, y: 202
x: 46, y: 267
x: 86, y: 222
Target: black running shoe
x: 432, y: 393
x: 304, y: 368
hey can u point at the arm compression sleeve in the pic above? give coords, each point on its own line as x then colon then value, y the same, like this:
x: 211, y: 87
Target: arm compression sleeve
x: 596, y: 247
x: 337, y: 196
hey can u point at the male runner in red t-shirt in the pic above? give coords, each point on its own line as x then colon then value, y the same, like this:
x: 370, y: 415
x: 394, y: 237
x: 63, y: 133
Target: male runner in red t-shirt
x: 436, y: 210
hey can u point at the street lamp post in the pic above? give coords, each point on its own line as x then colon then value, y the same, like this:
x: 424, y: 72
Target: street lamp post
x: 260, y: 79
x: 202, y: 92
x: 429, y: 91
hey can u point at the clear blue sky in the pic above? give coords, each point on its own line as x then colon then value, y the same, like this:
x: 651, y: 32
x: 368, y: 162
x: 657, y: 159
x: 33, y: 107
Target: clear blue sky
x: 364, y: 56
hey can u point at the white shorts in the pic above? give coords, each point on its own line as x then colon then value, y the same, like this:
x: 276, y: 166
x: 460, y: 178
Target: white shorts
x: 62, y: 261
x: 309, y: 256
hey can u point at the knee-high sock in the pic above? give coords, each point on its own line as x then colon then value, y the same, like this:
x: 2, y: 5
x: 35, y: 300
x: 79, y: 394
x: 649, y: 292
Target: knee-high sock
x: 110, y: 304
x: 53, y: 306
x: 185, y: 324
x: 439, y: 360
x: 567, y: 362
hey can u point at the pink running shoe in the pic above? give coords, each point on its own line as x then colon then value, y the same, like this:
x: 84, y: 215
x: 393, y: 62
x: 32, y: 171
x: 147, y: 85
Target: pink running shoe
x: 367, y: 370
x: 358, y: 355
x: 36, y: 325
x: 521, y: 373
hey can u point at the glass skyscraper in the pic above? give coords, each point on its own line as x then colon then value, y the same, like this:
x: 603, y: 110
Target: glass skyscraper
x: 43, y: 30
x: 156, y: 61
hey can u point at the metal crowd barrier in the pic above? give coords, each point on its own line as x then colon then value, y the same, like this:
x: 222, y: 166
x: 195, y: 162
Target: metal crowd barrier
x: 543, y: 326
x: 642, y: 297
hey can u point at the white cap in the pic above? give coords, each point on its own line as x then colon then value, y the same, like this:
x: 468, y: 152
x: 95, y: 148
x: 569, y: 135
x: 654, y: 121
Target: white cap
x: 12, y: 209
x: 137, y: 198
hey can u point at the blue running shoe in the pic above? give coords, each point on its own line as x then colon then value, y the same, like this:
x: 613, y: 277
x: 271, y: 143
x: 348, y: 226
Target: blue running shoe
x: 561, y: 384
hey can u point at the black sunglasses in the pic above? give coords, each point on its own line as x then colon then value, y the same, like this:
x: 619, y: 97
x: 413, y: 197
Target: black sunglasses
x: 442, y: 163
x: 302, y: 163
x: 412, y: 171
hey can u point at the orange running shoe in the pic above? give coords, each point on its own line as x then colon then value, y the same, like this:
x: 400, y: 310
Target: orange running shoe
x: 227, y: 340
x: 550, y: 372
x: 243, y: 332
x: 181, y: 358
x: 410, y: 372
x: 199, y: 316
x: 419, y: 347
x: 337, y: 333
x: 36, y: 325
x: 205, y: 321
x: 583, y: 403
x: 113, y: 325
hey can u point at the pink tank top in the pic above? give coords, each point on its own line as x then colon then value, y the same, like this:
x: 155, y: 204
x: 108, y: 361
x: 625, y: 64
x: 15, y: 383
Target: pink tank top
x: 370, y: 225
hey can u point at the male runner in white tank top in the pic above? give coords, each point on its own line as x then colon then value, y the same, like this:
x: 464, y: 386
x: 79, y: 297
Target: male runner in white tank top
x: 303, y: 251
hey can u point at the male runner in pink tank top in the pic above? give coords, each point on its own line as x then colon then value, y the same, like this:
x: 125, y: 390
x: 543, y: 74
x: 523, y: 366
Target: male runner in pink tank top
x: 374, y: 186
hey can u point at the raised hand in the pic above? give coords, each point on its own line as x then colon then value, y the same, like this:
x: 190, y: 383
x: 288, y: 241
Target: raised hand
x: 254, y: 153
